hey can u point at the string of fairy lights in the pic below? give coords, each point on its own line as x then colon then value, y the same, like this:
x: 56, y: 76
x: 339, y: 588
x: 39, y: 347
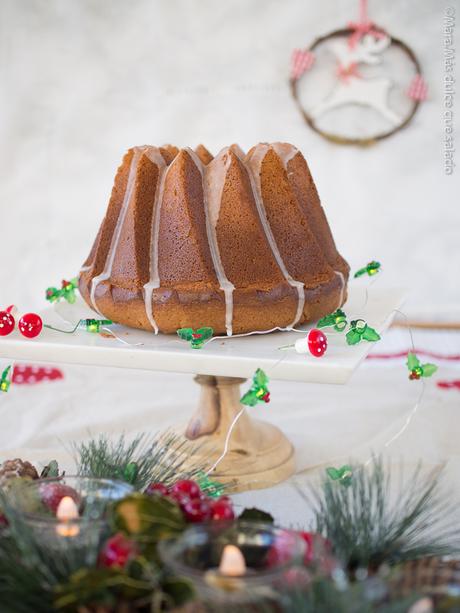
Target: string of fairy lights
x: 315, y: 342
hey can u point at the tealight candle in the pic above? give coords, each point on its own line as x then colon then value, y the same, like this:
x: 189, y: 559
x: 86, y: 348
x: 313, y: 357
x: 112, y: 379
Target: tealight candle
x: 66, y: 512
x: 235, y: 563
x: 231, y: 568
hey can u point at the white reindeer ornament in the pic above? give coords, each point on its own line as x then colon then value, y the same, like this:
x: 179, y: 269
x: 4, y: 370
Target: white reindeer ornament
x: 351, y: 88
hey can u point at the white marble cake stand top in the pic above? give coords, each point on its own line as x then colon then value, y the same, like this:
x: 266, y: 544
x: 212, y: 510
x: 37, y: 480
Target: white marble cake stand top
x: 232, y: 357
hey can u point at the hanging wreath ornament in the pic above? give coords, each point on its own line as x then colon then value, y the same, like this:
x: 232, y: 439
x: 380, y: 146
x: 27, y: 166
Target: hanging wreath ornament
x: 356, y: 50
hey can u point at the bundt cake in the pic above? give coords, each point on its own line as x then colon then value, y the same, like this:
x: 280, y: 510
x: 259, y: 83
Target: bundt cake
x: 238, y: 242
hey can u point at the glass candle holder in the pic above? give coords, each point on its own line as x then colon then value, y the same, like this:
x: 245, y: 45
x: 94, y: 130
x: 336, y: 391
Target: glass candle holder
x: 236, y: 563
x: 68, y: 530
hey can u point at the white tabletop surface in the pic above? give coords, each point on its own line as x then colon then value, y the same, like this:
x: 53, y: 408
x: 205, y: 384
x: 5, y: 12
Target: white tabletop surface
x: 327, y: 424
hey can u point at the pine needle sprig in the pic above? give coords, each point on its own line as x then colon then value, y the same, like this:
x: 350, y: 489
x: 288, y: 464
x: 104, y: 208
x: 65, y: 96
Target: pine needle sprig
x: 368, y: 523
x: 163, y: 458
x: 325, y: 596
x: 22, y: 585
x: 29, y: 567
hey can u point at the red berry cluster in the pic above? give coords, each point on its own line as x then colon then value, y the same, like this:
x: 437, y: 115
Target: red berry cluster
x: 118, y: 550
x: 414, y: 375
x: 195, y: 505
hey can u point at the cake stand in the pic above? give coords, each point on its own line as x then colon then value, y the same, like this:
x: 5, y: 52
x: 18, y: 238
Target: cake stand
x: 259, y: 455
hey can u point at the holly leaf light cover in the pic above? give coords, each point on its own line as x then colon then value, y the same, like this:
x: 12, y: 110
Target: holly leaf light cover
x: 429, y: 369
x: 369, y: 334
x: 67, y: 291
x: 343, y: 474
x: 258, y: 392
x: 196, y: 338
x: 4, y: 379
x: 353, y: 337
x: 185, y: 334
x: 250, y: 398
x: 418, y: 370
x: 371, y: 269
x: 337, y: 320
x: 260, y: 378
x: 412, y: 361
x: 360, y: 330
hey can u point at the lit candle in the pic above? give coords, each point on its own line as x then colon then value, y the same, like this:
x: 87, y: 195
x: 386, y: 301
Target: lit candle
x: 232, y: 562
x: 67, y: 512
x: 232, y: 566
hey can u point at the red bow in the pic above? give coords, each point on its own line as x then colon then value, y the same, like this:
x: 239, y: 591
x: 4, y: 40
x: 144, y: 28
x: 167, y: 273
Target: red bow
x: 362, y: 28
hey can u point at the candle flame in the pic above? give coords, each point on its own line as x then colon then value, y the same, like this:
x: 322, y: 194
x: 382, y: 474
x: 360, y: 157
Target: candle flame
x: 232, y: 562
x: 67, y: 512
x: 67, y: 509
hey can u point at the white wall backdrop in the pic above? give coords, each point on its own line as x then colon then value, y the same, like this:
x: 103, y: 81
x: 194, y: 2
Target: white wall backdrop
x: 82, y: 80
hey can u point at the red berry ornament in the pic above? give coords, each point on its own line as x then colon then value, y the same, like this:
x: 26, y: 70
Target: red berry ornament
x: 222, y: 509
x: 196, y: 510
x: 158, y: 489
x: 6, y: 323
x: 186, y: 488
x: 317, y: 342
x: 52, y: 493
x: 118, y: 551
x: 30, y: 325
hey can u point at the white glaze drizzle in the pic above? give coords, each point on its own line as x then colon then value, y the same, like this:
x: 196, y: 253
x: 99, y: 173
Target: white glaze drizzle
x: 236, y: 150
x: 85, y: 268
x: 286, y: 152
x: 155, y: 156
x: 105, y: 274
x: 254, y: 165
x: 213, y: 180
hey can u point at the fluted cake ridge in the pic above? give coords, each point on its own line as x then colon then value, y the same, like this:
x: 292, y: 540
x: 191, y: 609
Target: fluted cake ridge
x: 238, y: 242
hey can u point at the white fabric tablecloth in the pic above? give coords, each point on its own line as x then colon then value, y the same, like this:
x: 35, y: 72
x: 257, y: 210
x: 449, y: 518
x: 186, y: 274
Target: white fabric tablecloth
x: 328, y: 424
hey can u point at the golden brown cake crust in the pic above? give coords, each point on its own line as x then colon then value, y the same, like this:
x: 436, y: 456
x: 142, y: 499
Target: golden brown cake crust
x: 236, y: 242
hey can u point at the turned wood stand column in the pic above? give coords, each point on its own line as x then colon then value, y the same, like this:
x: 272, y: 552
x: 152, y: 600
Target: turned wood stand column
x: 259, y: 455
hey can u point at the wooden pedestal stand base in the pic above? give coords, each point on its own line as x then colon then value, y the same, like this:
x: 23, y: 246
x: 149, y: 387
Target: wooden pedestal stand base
x: 259, y: 455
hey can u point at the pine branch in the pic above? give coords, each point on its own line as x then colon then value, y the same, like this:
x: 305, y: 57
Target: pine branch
x: 367, y: 523
x: 164, y: 458
x: 22, y: 586
x: 325, y: 596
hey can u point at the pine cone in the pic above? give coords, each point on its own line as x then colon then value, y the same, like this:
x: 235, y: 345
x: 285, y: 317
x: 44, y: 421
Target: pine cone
x: 16, y: 468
